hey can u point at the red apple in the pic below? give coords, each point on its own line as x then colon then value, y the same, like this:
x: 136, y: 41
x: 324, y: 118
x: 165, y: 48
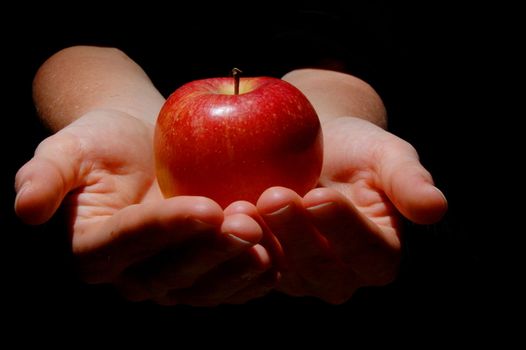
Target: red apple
x: 211, y: 140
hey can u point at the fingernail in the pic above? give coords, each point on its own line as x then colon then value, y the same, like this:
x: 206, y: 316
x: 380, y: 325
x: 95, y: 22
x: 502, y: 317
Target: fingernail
x: 25, y: 186
x: 322, y: 209
x: 201, y: 225
x: 234, y: 245
x: 238, y: 240
x: 441, y: 194
x: 280, y: 212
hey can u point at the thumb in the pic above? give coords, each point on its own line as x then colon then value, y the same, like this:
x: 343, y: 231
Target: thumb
x: 410, y: 186
x: 43, y: 182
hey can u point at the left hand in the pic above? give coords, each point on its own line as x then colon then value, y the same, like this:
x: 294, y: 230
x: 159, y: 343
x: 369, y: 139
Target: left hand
x: 346, y: 233
x: 179, y: 250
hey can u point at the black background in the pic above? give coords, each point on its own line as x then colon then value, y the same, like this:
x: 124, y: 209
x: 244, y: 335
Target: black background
x: 435, y: 67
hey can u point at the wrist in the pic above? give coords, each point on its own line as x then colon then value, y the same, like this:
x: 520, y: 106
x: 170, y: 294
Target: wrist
x: 334, y: 94
x: 81, y: 79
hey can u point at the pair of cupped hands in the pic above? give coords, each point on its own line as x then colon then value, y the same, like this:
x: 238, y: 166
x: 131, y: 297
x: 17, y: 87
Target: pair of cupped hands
x: 340, y: 236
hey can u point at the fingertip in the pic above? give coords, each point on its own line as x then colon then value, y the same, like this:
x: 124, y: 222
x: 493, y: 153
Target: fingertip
x: 243, y: 207
x: 22, y: 206
x: 444, y: 202
x: 266, y: 239
x: 261, y: 257
x: 202, y: 209
x: 242, y: 228
x: 427, y: 206
x: 41, y: 185
x: 411, y: 189
x: 34, y: 206
x: 275, y: 199
x: 321, y: 196
x: 437, y: 206
x: 206, y: 206
x: 20, y: 189
x: 241, y: 222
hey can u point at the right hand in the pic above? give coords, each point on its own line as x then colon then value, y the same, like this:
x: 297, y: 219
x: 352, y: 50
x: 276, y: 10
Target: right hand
x: 181, y: 250
x: 346, y: 233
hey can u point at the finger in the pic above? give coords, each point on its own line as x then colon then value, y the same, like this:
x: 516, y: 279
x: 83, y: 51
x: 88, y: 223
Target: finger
x: 242, y: 207
x: 180, y: 267
x: 207, y: 255
x: 305, y: 250
x: 410, y: 186
x: 269, y: 241
x: 247, y: 209
x: 42, y: 183
x: 223, y: 282
x: 371, y: 252
x: 140, y: 231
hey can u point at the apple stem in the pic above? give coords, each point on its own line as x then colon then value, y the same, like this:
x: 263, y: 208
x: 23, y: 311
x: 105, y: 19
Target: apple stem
x: 235, y: 73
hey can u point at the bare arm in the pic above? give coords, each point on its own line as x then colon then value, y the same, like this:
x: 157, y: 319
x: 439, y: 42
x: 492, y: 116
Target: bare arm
x: 79, y: 79
x: 100, y: 165
x: 346, y: 233
x: 82, y: 78
x: 335, y: 94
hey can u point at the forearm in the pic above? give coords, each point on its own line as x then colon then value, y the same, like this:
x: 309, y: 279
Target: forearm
x: 335, y: 94
x: 79, y: 79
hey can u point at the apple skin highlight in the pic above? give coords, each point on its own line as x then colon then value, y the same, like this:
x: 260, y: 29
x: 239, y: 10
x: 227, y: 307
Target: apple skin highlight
x: 210, y: 142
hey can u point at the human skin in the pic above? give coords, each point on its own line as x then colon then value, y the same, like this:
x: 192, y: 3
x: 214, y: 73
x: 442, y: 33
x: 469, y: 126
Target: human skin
x: 187, y: 250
